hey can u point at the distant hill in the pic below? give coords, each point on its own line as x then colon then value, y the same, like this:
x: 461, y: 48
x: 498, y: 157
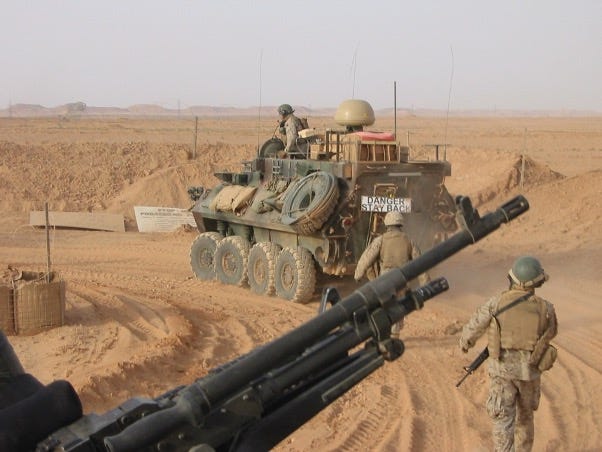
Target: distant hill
x: 81, y: 109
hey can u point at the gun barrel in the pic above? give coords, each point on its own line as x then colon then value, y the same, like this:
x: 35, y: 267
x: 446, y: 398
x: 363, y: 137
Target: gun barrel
x: 463, y: 378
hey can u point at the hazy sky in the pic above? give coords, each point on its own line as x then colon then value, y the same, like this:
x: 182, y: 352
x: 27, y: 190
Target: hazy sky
x: 511, y: 54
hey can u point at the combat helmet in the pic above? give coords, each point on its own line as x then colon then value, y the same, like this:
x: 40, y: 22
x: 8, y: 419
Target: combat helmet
x: 394, y: 219
x: 527, y: 272
x: 285, y: 109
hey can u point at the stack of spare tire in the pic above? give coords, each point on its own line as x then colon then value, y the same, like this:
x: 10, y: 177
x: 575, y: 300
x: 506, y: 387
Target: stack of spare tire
x: 310, y: 201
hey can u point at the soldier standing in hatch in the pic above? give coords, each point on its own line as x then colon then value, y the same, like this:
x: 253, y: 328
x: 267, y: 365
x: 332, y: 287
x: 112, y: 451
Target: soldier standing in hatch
x: 290, y: 126
x: 387, y: 251
x: 520, y: 326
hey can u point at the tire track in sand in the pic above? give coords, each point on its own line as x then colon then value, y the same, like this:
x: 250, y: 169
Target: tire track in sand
x: 569, y: 379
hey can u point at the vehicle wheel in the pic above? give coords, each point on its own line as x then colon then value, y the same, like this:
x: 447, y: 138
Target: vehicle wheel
x: 231, y: 257
x: 310, y: 202
x: 262, y: 260
x: 295, y: 275
x: 202, y: 252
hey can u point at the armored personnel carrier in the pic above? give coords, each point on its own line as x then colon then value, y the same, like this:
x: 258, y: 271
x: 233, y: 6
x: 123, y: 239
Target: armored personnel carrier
x: 279, y: 221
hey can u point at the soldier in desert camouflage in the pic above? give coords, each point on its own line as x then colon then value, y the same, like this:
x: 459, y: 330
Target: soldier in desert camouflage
x: 290, y: 126
x: 390, y: 250
x: 518, y: 338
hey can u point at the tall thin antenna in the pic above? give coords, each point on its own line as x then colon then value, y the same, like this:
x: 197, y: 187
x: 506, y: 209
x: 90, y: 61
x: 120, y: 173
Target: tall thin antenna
x: 395, y: 108
x: 354, y: 69
x: 451, y: 78
x: 259, y: 112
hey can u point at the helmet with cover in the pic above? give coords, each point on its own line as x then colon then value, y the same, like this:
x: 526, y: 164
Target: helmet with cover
x: 394, y: 219
x: 285, y: 109
x: 527, y: 272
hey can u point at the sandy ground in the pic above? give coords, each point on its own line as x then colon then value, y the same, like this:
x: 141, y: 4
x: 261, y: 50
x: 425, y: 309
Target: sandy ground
x: 138, y: 323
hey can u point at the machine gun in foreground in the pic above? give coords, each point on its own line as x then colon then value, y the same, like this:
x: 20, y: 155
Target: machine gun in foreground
x: 255, y: 401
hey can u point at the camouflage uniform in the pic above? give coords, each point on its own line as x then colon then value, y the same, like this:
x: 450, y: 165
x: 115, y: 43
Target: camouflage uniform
x: 289, y: 129
x: 514, y: 389
x: 387, y: 251
x: 390, y: 250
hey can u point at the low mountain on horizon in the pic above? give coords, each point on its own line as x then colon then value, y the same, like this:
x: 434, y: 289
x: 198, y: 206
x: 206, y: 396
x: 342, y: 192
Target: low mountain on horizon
x: 75, y: 109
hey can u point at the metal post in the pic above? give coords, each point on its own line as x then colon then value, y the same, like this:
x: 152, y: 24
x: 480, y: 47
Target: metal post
x: 522, y: 169
x: 196, y: 128
x: 47, y: 243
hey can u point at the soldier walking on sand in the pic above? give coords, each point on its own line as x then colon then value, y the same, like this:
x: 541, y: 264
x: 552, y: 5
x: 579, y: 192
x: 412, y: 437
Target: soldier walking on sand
x: 519, y: 326
x: 390, y: 250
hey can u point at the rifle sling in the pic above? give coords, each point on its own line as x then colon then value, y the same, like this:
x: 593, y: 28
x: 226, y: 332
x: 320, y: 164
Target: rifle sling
x: 511, y: 305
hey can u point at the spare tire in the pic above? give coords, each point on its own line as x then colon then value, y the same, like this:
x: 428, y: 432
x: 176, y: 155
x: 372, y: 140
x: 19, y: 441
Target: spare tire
x: 270, y: 148
x: 310, y: 201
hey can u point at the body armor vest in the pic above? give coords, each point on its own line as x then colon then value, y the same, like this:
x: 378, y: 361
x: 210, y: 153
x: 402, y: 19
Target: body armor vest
x: 395, y: 251
x: 518, y: 327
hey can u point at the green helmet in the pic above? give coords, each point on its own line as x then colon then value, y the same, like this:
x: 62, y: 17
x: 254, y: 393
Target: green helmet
x: 394, y: 219
x: 527, y: 272
x: 285, y: 109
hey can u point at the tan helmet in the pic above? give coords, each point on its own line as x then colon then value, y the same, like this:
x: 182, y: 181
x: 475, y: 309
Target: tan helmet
x: 394, y: 219
x: 527, y: 272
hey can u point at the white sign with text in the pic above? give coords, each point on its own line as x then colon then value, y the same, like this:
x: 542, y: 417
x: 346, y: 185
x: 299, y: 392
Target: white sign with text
x: 385, y: 204
x: 162, y: 219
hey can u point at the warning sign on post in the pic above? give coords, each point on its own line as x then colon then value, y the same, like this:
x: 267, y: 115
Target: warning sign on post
x: 385, y: 204
x: 162, y: 219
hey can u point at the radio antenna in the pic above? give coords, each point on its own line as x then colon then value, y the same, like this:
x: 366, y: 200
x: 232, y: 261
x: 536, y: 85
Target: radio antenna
x: 395, y: 108
x: 354, y: 70
x: 259, y: 111
x: 451, y: 78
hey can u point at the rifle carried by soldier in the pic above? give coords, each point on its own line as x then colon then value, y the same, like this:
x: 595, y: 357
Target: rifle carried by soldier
x: 255, y: 401
x: 474, y: 365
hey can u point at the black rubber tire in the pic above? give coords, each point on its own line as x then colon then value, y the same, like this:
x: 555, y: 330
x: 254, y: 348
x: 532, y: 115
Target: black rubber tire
x: 271, y: 148
x: 262, y: 261
x: 310, y: 202
x: 295, y: 275
x: 202, y: 252
x: 231, y: 256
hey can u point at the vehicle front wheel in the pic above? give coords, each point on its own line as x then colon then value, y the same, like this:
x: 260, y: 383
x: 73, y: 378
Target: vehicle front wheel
x: 202, y: 252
